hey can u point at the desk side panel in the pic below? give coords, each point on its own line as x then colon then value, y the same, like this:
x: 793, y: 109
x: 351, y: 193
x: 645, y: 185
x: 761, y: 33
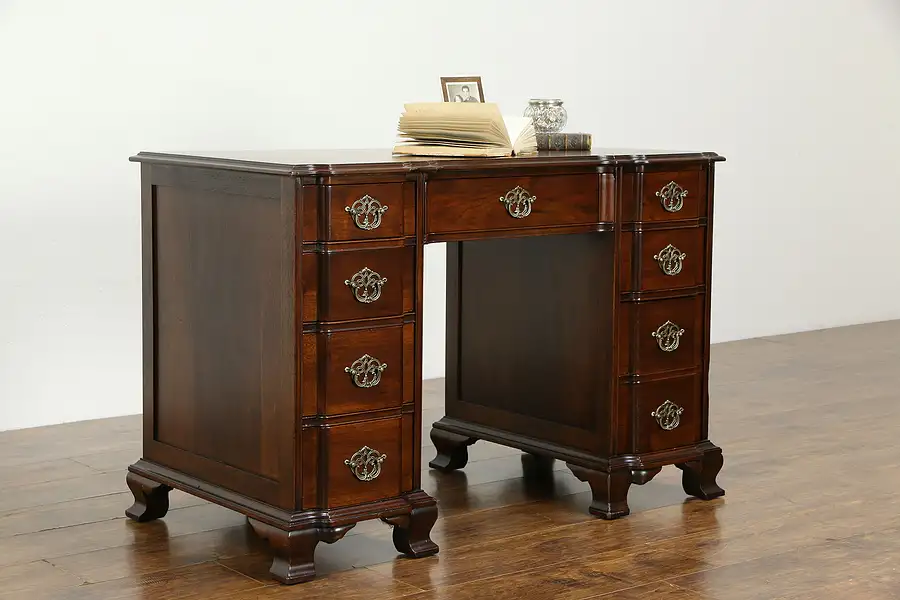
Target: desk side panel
x: 221, y: 329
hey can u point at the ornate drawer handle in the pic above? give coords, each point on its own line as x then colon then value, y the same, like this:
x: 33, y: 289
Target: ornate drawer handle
x: 668, y: 415
x: 669, y: 260
x: 671, y: 196
x: 366, y: 212
x: 668, y: 335
x: 518, y: 202
x: 366, y: 285
x: 365, y: 464
x: 366, y: 371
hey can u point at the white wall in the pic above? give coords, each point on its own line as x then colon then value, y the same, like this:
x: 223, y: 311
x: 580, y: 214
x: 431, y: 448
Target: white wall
x: 802, y: 98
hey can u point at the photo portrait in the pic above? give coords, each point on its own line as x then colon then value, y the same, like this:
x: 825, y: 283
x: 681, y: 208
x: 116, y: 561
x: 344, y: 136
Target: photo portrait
x: 462, y: 89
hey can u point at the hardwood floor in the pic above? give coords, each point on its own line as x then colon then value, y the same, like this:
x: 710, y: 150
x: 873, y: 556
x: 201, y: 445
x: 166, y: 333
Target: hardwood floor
x: 809, y: 427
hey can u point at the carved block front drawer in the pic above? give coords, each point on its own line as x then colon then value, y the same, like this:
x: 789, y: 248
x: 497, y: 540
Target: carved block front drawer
x: 660, y: 259
x: 366, y: 211
x: 364, y: 461
x: 667, y: 413
x: 666, y: 196
x: 498, y: 203
x: 358, y: 370
x: 661, y: 335
x: 358, y: 284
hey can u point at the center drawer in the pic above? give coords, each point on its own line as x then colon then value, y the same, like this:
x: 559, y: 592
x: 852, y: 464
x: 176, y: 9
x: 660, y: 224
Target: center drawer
x: 497, y: 203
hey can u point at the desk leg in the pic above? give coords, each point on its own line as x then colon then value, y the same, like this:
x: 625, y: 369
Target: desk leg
x: 151, y: 499
x: 452, y: 450
x: 610, y: 490
x: 294, y: 550
x: 698, y: 477
x: 412, y: 532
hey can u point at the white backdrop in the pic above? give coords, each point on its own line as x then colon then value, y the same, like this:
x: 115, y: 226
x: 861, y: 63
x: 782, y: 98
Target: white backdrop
x: 802, y: 98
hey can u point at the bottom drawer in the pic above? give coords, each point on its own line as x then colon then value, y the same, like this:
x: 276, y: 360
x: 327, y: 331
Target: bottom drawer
x: 667, y: 413
x: 364, y: 460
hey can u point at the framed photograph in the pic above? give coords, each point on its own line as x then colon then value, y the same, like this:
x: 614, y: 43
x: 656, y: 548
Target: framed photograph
x: 462, y: 89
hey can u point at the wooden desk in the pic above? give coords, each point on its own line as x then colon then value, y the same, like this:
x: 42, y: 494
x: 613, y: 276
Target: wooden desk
x: 283, y: 331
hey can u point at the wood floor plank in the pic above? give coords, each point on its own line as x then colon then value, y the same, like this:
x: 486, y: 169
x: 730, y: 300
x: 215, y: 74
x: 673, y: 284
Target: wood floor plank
x: 355, y: 584
x: 597, y: 538
x: 43, y: 472
x: 56, y: 442
x: 34, y: 580
x: 80, y: 512
x: 162, y: 554
x: 206, y: 580
x: 653, y: 591
x: 53, y: 492
x: 115, y: 459
x: 558, y: 583
x: 796, y: 572
x: 112, y: 533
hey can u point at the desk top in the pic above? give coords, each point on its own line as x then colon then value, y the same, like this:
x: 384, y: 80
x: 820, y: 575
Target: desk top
x: 322, y: 162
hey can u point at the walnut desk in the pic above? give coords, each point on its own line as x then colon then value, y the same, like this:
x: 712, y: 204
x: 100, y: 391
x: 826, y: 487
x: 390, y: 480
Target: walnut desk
x: 283, y: 338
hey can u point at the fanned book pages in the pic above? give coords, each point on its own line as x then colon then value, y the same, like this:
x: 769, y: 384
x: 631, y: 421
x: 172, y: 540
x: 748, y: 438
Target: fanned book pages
x: 462, y: 129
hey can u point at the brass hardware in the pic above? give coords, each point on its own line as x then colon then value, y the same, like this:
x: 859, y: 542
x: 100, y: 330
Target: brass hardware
x: 366, y: 371
x: 366, y: 212
x: 671, y: 196
x: 365, y: 464
x: 518, y: 202
x: 669, y: 260
x: 366, y: 285
x: 668, y: 415
x: 668, y: 335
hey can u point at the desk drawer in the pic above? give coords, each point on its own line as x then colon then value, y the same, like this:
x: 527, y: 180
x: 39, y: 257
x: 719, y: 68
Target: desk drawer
x: 366, y: 211
x: 497, y: 203
x: 359, y: 284
x: 661, y: 335
x: 667, y: 413
x: 663, y: 258
x: 667, y: 195
x: 362, y: 369
x: 373, y: 451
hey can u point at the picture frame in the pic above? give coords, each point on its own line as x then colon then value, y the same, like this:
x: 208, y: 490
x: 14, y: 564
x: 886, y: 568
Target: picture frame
x: 462, y: 89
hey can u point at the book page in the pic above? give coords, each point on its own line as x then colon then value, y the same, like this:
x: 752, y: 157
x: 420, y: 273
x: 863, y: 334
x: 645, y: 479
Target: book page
x: 521, y: 131
x: 453, y: 121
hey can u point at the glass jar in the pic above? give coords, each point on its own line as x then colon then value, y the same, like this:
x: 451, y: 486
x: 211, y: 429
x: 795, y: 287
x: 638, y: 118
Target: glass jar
x: 547, y: 114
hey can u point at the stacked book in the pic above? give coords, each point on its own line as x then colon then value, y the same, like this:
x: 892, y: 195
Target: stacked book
x: 563, y: 141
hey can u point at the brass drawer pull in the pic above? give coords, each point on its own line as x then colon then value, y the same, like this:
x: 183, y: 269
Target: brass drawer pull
x: 668, y: 335
x: 367, y: 212
x: 668, y: 415
x: 518, y: 202
x: 670, y: 260
x: 365, y: 464
x: 366, y: 371
x: 671, y: 196
x: 366, y: 285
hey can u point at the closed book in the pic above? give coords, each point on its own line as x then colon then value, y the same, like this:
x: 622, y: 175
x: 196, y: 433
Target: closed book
x: 563, y: 141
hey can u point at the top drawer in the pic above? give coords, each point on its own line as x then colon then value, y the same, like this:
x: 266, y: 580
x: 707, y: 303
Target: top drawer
x: 497, y: 203
x: 359, y: 211
x: 667, y: 195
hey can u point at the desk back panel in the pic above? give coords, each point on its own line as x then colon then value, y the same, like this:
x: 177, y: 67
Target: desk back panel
x: 530, y: 336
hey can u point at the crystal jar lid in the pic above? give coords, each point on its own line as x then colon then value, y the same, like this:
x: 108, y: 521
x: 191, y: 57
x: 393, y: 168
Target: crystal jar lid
x: 543, y: 101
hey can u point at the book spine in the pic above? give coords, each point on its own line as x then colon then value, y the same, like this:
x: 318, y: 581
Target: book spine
x: 563, y: 141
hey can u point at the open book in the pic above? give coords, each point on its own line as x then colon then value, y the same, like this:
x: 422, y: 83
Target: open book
x: 462, y: 129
